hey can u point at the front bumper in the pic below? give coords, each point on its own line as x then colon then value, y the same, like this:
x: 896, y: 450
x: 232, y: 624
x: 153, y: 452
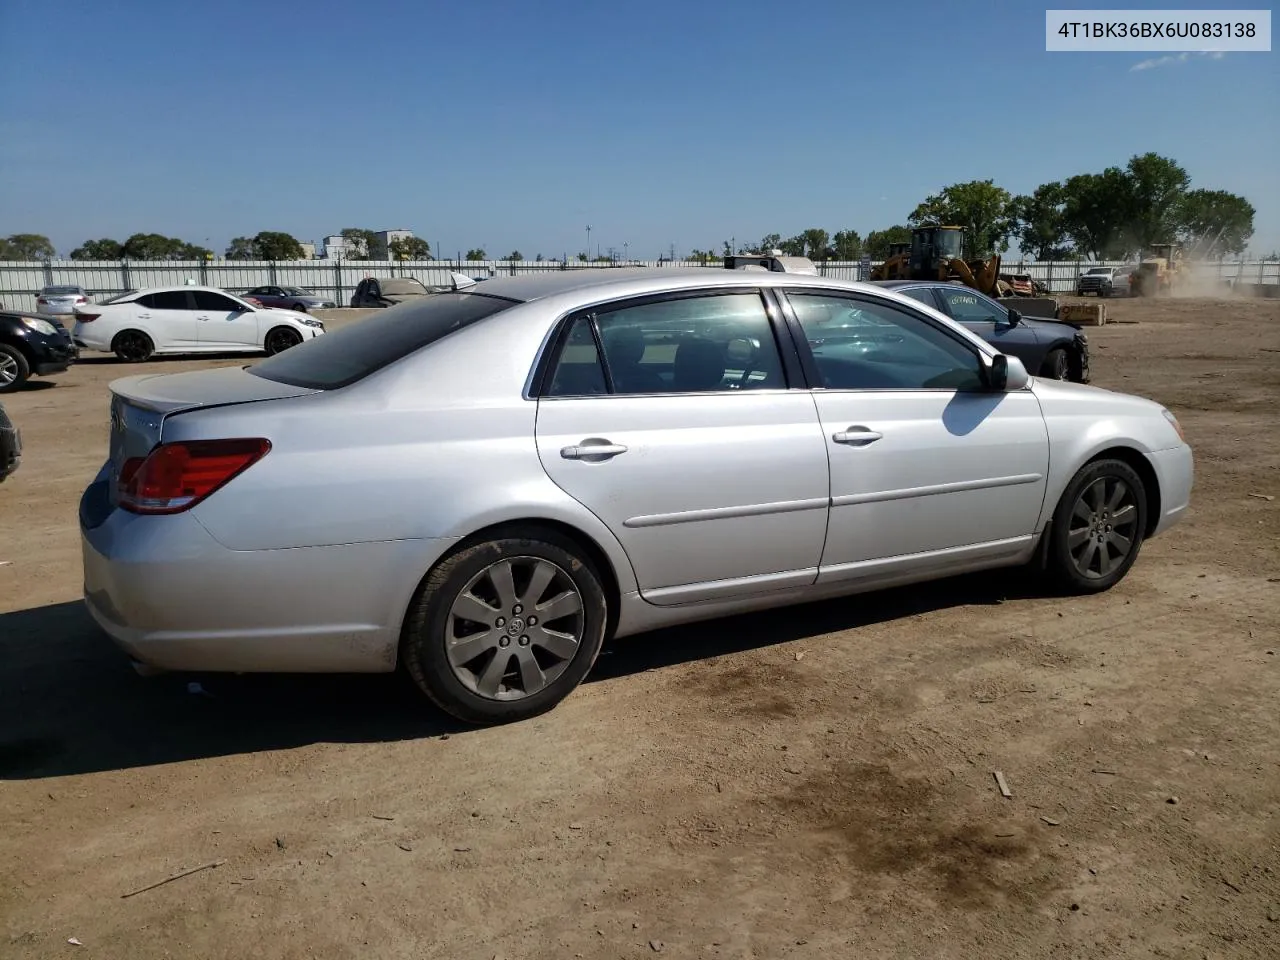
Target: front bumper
x: 174, y: 598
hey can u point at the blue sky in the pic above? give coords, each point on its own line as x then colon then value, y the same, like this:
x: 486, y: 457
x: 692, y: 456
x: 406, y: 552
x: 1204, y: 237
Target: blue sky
x: 514, y: 125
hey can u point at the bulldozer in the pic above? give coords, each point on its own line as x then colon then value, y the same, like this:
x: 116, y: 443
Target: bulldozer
x: 936, y: 253
x: 1160, y: 272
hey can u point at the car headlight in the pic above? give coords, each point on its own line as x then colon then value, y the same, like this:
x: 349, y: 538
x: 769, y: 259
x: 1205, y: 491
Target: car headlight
x: 307, y: 321
x: 40, y: 326
x: 1173, y: 421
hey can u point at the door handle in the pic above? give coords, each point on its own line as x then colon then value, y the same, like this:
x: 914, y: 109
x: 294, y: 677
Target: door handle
x: 593, y: 450
x: 856, y: 436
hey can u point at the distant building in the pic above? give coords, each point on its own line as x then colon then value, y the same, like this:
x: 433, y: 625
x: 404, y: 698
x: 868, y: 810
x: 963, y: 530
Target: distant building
x: 336, y: 247
x: 308, y: 250
x: 382, y: 240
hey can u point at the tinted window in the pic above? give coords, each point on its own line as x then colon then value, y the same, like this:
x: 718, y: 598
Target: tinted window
x: 208, y: 300
x: 402, y: 287
x: 966, y: 305
x: 61, y: 291
x: 923, y: 294
x: 354, y: 352
x: 687, y: 345
x: 120, y: 296
x: 865, y: 345
x: 296, y: 292
x: 264, y: 291
x: 169, y: 300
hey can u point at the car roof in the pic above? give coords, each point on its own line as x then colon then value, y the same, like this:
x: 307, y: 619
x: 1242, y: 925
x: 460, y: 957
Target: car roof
x: 629, y: 281
x: 184, y: 286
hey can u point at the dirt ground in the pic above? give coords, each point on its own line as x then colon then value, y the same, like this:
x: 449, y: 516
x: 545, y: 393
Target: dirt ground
x: 816, y: 782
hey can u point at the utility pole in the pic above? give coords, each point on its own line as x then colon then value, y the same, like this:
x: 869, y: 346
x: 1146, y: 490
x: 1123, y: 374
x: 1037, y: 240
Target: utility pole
x: 588, y: 241
x: 625, y: 245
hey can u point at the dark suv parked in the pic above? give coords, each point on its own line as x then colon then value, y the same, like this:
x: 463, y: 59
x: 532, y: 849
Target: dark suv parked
x: 32, y: 345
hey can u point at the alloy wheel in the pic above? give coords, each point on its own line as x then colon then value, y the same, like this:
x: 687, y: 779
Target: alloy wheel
x: 8, y: 370
x: 1103, y: 527
x: 514, y: 628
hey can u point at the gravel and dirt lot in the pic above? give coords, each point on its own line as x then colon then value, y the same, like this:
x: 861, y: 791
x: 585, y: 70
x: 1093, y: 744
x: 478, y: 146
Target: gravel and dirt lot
x: 814, y: 782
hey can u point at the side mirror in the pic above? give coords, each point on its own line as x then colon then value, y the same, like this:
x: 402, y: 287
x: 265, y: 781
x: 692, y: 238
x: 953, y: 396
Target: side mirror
x: 1014, y: 317
x: 1007, y: 373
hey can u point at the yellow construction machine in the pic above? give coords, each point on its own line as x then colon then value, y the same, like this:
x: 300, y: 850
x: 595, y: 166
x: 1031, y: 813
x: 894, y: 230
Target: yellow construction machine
x: 1160, y: 272
x: 937, y: 253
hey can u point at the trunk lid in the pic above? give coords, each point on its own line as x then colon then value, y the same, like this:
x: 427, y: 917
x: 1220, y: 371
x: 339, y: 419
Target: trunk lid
x: 139, y: 405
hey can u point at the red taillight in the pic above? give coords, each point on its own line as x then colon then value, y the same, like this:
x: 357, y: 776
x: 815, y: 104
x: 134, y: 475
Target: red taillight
x: 82, y: 299
x: 86, y: 317
x: 176, y: 476
x: 41, y: 300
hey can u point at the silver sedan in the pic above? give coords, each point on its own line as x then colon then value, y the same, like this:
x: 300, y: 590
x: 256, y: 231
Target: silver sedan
x: 481, y: 485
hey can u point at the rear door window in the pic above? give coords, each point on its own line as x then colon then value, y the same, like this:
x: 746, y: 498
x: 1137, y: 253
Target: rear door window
x: 171, y: 300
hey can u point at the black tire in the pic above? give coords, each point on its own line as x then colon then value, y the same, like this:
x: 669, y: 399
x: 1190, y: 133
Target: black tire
x: 431, y: 628
x: 1082, y: 521
x: 300, y: 307
x: 1104, y: 292
x: 1056, y: 365
x: 132, y: 346
x: 14, y: 369
x: 280, y: 339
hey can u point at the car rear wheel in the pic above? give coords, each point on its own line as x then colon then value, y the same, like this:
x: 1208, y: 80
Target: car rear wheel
x: 14, y: 369
x: 133, y: 346
x: 1057, y: 365
x: 281, y: 339
x: 1098, y: 527
x: 506, y: 629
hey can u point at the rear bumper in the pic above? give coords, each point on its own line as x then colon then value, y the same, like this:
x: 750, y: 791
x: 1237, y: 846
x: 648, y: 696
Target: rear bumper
x: 1175, y: 473
x: 173, y: 597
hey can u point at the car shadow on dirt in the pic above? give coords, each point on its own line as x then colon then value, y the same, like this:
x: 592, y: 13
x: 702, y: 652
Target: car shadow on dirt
x: 70, y: 703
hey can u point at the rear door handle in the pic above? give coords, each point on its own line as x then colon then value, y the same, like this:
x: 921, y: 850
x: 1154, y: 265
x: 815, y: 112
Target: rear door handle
x: 593, y: 450
x: 856, y: 436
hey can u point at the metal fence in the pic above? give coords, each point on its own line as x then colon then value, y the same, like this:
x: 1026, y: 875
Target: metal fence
x: 337, y: 279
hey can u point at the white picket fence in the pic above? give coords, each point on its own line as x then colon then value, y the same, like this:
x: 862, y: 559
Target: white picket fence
x: 337, y: 279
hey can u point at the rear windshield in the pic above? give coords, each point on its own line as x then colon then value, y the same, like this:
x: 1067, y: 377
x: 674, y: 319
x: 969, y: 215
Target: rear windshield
x: 396, y: 288
x: 60, y: 290
x: 352, y: 353
x: 120, y: 296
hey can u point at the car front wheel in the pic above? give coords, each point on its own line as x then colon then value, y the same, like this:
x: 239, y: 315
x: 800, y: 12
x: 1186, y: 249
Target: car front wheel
x: 1057, y: 365
x: 14, y: 369
x: 1098, y: 527
x: 281, y: 339
x: 505, y: 629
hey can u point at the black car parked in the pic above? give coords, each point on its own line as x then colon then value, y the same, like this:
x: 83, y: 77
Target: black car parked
x: 10, y: 445
x: 1047, y: 348
x: 32, y: 345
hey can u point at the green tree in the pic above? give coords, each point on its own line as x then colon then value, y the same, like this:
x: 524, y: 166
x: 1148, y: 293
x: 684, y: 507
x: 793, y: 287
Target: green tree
x: 1157, y: 188
x: 409, y: 248
x: 583, y: 258
x: 359, y: 242
x: 240, y: 248
x: 1041, y: 228
x: 538, y: 258
x: 192, y: 251
x: 816, y: 242
x: 275, y: 245
x: 1213, y: 223
x: 26, y: 246
x: 703, y: 256
x: 877, y: 245
x: 770, y: 241
x: 1096, y: 212
x: 982, y: 208
x: 476, y: 254
x: 514, y: 256
x: 153, y: 246
x: 792, y: 246
x: 846, y: 245
x: 104, y: 249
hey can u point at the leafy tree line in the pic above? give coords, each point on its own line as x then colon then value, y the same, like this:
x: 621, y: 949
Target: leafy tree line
x: 1111, y: 215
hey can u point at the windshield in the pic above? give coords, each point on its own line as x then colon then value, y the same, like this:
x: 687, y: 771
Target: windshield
x: 396, y: 288
x: 950, y: 243
x: 352, y: 353
x: 1100, y: 270
x: 296, y: 292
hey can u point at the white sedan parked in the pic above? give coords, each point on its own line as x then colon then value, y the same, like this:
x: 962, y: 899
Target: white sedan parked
x: 188, y: 319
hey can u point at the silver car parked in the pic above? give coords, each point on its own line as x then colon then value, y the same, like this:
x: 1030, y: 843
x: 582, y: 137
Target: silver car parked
x: 482, y: 485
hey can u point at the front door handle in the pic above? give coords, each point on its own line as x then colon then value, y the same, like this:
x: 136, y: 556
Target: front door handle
x: 593, y: 450
x: 856, y: 436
